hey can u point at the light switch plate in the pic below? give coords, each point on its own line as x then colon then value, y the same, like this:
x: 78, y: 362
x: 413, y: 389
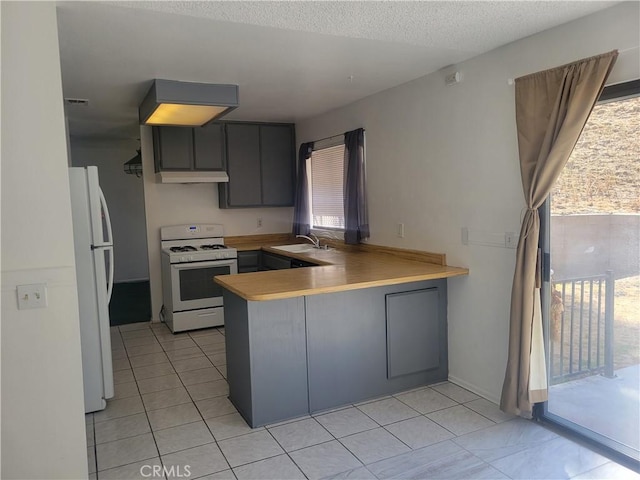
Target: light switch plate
x: 32, y: 296
x: 511, y: 239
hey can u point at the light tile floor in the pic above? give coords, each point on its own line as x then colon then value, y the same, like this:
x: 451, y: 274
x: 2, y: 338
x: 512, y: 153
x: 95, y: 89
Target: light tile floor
x: 171, y: 409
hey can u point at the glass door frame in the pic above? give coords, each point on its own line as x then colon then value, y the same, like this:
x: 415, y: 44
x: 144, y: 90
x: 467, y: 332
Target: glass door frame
x: 616, y: 451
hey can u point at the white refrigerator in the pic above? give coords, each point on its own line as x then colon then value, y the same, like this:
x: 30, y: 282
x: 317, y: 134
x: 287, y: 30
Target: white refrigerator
x: 93, y: 243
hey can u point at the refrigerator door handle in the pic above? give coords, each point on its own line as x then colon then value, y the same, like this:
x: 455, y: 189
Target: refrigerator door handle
x: 103, y: 201
x: 110, y: 279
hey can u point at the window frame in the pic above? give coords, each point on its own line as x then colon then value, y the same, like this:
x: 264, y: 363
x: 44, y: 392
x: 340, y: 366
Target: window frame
x: 324, y: 145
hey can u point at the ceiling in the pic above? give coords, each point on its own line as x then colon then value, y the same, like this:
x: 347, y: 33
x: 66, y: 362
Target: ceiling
x: 291, y: 60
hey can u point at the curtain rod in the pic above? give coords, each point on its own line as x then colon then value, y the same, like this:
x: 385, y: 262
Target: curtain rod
x: 511, y: 81
x: 332, y: 137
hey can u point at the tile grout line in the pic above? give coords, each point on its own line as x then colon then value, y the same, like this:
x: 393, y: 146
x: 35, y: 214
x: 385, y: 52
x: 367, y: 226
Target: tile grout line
x: 148, y: 421
x: 145, y: 409
x: 383, y: 427
x: 95, y: 444
x: 482, y: 459
x: 268, y: 429
x: 193, y: 402
x: 288, y: 454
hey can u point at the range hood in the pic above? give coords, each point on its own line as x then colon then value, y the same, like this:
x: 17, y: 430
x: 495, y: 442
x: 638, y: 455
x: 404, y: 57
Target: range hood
x: 191, y: 177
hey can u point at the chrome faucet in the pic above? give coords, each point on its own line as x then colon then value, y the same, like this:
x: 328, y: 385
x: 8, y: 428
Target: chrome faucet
x: 315, y: 240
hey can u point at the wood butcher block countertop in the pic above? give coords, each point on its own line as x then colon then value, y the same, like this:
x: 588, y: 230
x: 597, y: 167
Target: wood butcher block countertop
x: 340, y: 269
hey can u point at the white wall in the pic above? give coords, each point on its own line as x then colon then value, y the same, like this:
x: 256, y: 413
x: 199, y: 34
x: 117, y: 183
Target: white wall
x: 175, y: 204
x: 125, y: 197
x: 444, y: 157
x: 43, y: 427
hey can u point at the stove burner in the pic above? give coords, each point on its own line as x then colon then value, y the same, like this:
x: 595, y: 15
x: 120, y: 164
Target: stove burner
x: 183, y: 249
x: 212, y: 247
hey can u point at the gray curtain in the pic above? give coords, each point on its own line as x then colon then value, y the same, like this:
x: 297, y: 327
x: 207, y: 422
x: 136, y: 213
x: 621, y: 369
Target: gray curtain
x: 356, y: 217
x: 301, y: 206
x: 552, y: 108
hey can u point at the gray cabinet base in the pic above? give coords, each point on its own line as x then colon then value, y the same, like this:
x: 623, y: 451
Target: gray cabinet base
x: 266, y: 358
x: 287, y: 358
x: 348, y: 350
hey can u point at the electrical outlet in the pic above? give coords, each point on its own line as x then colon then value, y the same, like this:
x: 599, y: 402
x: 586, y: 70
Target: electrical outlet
x: 511, y: 240
x: 401, y: 230
x: 259, y: 222
x: 32, y: 296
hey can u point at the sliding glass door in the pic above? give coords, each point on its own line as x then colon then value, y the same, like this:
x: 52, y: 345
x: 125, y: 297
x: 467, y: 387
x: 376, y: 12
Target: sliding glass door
x: 591, y: 238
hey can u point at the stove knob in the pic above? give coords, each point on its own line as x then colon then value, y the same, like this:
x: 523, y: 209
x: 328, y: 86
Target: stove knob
x: 183, y: 259
x: 191, y: 258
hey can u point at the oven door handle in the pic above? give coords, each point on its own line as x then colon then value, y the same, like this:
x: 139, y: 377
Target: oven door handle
x: 196, y: 265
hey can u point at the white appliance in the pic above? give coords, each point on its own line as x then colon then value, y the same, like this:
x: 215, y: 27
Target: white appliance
x: 191, y: 256
x: 93, y: 242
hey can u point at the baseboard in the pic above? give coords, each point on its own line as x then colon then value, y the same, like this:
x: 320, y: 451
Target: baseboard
x: 133, y: 280
x: 475, y: 389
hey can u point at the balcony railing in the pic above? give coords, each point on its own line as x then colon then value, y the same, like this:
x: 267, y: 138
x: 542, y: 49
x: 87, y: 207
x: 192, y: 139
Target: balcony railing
x: 581, y: 327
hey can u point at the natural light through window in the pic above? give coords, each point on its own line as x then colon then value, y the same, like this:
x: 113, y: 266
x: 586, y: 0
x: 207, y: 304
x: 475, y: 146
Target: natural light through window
x: 594, y: 318
x: 327, y: 190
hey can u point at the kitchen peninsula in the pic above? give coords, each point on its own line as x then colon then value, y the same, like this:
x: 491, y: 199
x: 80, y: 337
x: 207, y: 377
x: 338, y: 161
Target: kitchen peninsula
x: 367, y: 321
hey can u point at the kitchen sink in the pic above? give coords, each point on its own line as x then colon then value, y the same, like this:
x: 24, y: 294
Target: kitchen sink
x: 296, y: 248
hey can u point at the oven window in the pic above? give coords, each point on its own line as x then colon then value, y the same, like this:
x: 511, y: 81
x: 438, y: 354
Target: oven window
x: 197, y: 283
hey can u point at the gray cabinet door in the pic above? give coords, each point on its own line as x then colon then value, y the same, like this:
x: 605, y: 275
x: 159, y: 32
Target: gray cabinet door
x: 278, y: 164
x: 413, y: 332
x: 249, y: 261
x: 243, y: 166
x: 208, y: 146
x: 174, y: 148
x: 275, y: 262
x: 348, y: 336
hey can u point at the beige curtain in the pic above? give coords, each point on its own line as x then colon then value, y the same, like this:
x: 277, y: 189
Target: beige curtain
x: 552, y: 108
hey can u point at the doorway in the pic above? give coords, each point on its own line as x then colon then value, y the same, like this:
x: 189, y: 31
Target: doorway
x: 131, y: 297
x: 590, y: 235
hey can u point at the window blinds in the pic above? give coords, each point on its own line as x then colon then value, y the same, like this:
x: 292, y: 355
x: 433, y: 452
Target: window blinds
x: 327, y: 187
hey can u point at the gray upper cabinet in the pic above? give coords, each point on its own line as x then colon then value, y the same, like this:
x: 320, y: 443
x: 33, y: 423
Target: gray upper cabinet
x: 208, y: 147
x: 278, y: 164
x: 173, y: 148
x: 243, y: 167
x: 184, y: 148
x: 260, y: 164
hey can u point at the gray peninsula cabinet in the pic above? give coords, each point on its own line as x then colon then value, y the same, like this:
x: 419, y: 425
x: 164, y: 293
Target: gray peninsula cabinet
x: 295, y: 356
x: 186, y: 149
x: 260, y: 164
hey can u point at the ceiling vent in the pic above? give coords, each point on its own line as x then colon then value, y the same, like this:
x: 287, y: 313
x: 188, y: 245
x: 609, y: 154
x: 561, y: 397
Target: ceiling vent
x: 82, y: 102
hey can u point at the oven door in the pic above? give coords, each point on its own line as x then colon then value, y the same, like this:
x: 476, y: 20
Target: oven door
x: 192, y: 284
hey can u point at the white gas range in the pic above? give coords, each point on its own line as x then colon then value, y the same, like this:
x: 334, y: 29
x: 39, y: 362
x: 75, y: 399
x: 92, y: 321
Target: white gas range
x: 191, y: 256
